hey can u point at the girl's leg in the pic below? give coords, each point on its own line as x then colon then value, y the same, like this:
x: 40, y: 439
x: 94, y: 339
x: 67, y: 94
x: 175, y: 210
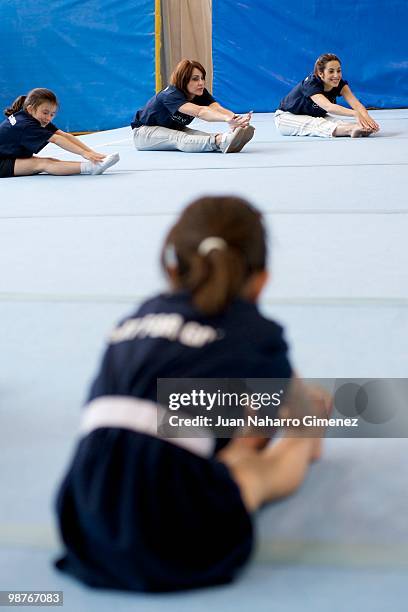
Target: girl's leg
x: 289, y: 124
x: 156, y: 138
x: 272, y: 473
x: 57, y: 167
x: 35, y: 165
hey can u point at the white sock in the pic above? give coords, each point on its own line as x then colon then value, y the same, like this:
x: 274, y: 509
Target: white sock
x: 99, y: 167
x: 86, y: 167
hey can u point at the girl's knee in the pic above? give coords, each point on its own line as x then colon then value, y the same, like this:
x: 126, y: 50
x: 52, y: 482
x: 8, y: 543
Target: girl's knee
x: 39, y: 164
x: 46, y: 163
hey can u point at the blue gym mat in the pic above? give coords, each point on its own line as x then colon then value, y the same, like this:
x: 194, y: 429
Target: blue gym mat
x: 77, y: 253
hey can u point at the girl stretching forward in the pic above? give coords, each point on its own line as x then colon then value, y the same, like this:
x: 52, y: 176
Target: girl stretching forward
x: 303, y: 112
x: 28, y: 129
x: 162, y: 124
x: 143, y: 512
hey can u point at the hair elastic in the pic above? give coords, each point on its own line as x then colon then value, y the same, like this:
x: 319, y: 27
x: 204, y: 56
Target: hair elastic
x: 170, y: 256
x: 211, y: 243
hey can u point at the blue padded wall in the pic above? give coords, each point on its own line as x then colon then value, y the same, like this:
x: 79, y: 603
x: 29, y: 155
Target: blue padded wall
x: 262, y: 48
x: 98, y: 56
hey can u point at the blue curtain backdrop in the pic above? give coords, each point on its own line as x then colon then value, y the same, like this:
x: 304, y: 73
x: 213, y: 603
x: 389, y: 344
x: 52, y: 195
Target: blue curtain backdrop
x: 262, y: 48
x: 98, y: 56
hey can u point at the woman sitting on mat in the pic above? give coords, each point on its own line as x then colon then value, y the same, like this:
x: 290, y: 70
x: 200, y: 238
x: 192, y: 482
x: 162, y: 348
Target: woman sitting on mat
x: 162, y: 124
x: 28, y: 129
x: 303, y: 112
x: 142, y: 511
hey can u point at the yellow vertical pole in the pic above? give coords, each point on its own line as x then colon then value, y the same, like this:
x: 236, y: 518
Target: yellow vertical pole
x: 157, y: 38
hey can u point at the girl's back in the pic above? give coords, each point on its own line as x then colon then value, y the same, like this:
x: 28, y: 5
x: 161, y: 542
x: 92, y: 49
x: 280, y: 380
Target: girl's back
x: 169, y: 338
x: 139, y: 509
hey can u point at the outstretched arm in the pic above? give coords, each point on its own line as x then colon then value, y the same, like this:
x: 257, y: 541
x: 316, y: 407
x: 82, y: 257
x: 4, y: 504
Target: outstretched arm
x: 74, y: 145
x: 359, y: 108
x: 217, y: 107
x: 230, y: 114
x: 363, y: 118
x: 75, y: 140
x: 215, y: 112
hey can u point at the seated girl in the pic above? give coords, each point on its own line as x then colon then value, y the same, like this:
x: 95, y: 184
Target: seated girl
x: 145, y: 512
x: 161, y: 125
x: 28, y: 129
x: 304, y: 111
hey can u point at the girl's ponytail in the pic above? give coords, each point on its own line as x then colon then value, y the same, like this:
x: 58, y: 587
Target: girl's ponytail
x: 215, y: 279
x: 211, y: 251
x: 16, y: 106
x: 34, y: 98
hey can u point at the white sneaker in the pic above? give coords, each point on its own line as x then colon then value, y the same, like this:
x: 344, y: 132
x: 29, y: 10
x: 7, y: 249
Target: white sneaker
x: 99, y: 167
x: 233, y: 142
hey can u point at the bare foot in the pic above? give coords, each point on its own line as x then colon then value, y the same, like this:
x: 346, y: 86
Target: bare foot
x: 359, y: 132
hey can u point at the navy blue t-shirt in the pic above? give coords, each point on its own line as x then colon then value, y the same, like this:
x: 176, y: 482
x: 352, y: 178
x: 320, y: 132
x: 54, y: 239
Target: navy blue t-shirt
x: 136, y: 511
x: 168, y: 338
x: 298, y: 101
x: 162, y: 109
x: 21, y: 135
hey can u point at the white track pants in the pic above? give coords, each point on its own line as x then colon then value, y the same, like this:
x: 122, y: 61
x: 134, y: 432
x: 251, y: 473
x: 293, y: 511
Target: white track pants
x: 289, y: 124
x: 156, y: 138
